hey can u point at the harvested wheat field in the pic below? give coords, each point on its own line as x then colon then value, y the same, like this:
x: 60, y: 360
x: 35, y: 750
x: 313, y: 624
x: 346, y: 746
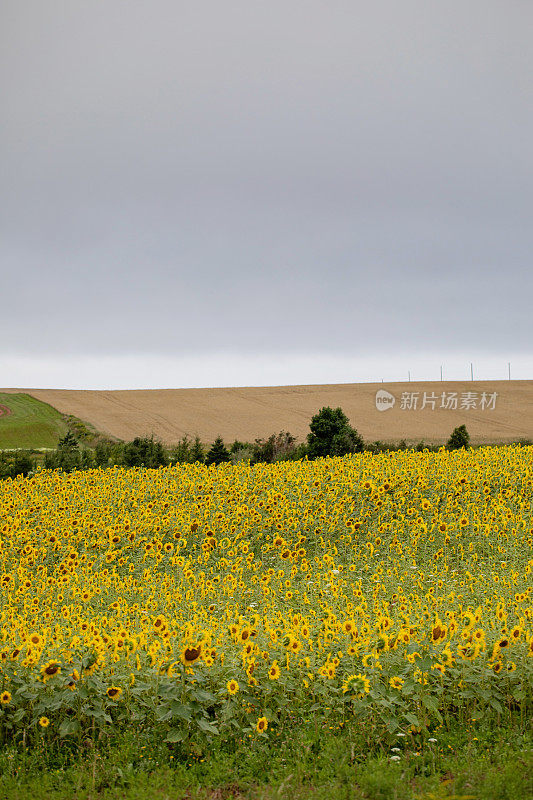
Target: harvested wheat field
x: 493, y: 411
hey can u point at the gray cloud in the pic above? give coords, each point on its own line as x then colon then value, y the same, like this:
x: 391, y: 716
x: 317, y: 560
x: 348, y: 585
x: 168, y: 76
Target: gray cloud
x: 187, y: 178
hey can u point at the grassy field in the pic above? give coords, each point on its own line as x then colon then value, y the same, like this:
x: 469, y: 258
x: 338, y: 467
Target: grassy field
x: 490, y: 765
x: 359, y: 626
x: 254, y: 412
x: 30, y: 423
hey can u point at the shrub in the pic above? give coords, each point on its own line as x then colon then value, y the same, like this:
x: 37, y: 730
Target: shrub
x: 18, y: 464
x: 244, y: 453
x: 332, y: 435
x: 459, y: 438
x: 278, y: 447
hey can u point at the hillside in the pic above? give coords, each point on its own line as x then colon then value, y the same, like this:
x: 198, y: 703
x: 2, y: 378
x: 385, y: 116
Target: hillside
x: 28, y: 422
x: 493, y: 411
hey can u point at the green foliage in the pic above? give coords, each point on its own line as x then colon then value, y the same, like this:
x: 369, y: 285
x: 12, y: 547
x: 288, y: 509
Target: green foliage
x: 17, y: 463
x: 237, y: 446
x: 218, y: 453
x: 278, y: 447
x: 144, y: 452
x: 332, y: 435
x: 181, y: 453
x: 102, y: 454
x: 458, y: 439
x: 141, y: 452
x: 81, y: 430
x: 188, y: 451
x: 243, y: 453
x: 197, y: 451
x: 300, y: 763
x: 68, y: 456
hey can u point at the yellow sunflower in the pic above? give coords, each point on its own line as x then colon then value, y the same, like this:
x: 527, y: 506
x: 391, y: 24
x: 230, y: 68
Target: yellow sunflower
x: 274, y: 671
x: 357, y: 685
x: 396, y: 682
x: 50, y: 669
x: 262, y: 724
x: 191, y: 654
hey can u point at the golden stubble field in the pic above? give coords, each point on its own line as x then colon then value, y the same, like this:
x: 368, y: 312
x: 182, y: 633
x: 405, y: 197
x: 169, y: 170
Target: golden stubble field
x: 251, y: 412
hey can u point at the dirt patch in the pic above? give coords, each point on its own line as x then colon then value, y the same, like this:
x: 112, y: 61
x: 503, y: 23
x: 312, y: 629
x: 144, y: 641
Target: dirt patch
x: 4, y: 411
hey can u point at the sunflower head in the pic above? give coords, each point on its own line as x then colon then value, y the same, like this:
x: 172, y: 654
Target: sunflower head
x: 232, y: 687
x: 357, y: 685
x: 262, y: 724
x: 50, y: 669
x: 191, y: 654
x: 44, y: 722
x: 114, y: 692
x: 274, y: 671
x: 5, y: 698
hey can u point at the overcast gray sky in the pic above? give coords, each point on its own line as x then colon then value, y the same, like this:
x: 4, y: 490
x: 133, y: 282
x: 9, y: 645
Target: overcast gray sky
x: 214, y: 193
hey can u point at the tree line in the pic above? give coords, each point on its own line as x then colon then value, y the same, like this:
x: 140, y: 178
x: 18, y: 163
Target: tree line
x: 330, y: 434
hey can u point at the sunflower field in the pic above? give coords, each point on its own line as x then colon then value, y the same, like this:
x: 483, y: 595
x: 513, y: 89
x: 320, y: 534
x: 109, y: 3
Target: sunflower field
x: 230, y: 601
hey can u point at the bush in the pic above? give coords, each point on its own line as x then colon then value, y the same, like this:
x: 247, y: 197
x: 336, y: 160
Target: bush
x: 244, y: 453
x: 102, y: 454
x: 67, y: 454
x: 15, y: 464
x: 278, y: 447
x: 332, y: 435
x: 459, y: 438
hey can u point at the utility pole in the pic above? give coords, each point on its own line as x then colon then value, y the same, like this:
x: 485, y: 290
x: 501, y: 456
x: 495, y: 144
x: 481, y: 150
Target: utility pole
x: 509, y: 369
x: 409, y: 376
x: 441, y: 373
x: 471, y: 371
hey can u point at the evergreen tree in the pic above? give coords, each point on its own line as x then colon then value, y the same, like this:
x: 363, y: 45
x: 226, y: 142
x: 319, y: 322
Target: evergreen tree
x: 332, y: 435
x: 145, y: 452
x: 67, y: 455
x: 182, y: 451
x: 218, y: 454
x: 459, y: 438
x: 197, y: 454
x: 236, y: 446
